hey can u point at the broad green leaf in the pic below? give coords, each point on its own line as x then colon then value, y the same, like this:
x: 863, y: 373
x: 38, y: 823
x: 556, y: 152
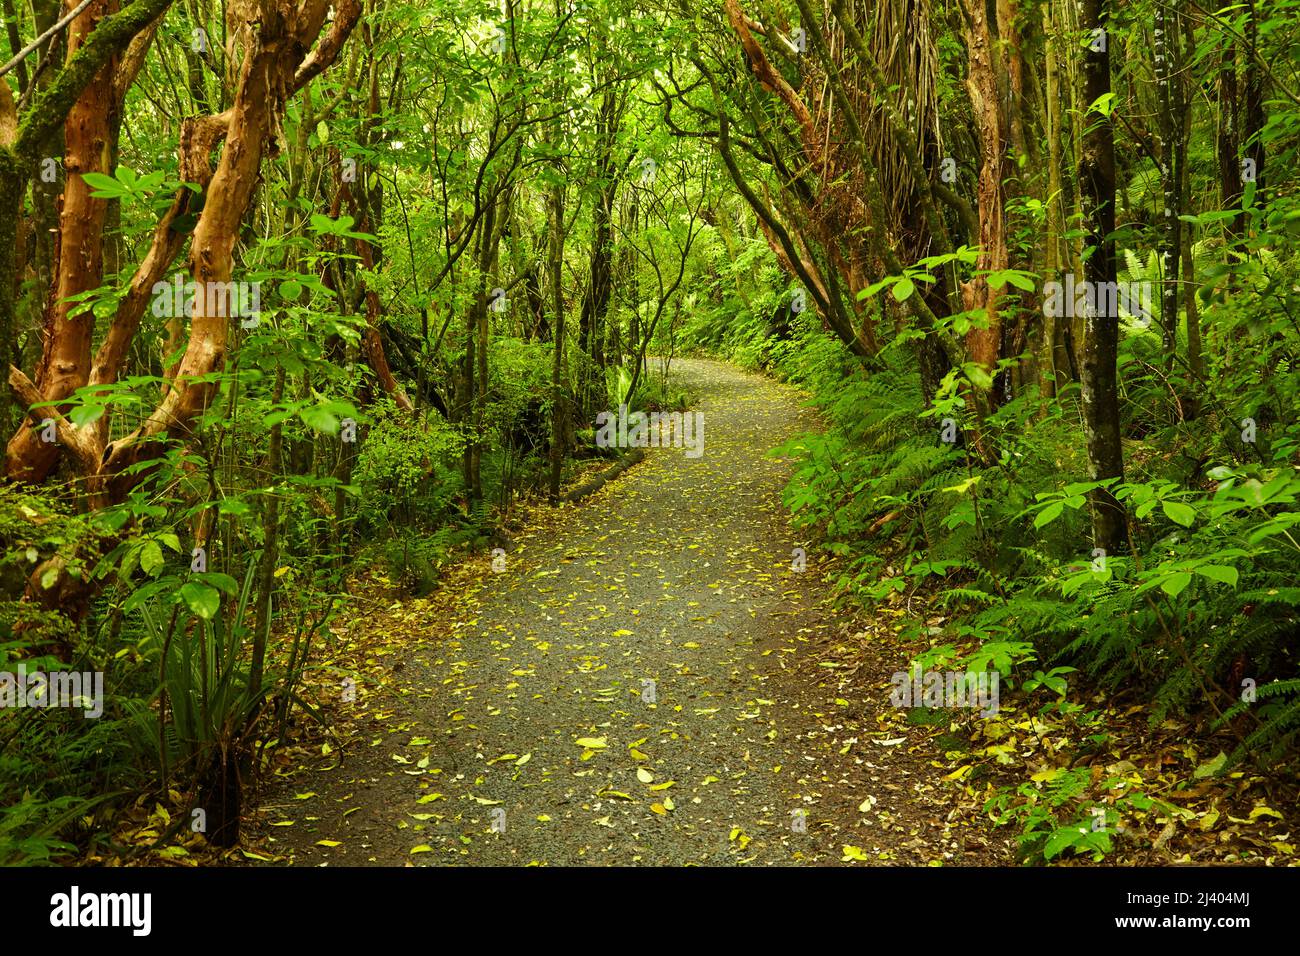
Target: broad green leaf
x: 104, y: 187
x: 1219, y: 572
x: 1063, y: 839
x: 1049, y: 514
x: 151, y: 558
x: 201, y: 599
x: 1179, y: 513
x: 321, y: 419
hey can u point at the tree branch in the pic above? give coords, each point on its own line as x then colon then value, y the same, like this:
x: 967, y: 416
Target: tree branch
x: 52, y: 104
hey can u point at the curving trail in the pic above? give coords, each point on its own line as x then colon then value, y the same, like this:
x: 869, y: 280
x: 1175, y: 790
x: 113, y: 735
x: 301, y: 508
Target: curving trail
x: 678, y: 573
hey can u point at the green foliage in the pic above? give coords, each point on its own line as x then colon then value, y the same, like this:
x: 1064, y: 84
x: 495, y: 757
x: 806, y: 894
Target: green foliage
x: 404, y: 471
x: 29, y: 828
x: 991, y: 525
x: 1059, y: 817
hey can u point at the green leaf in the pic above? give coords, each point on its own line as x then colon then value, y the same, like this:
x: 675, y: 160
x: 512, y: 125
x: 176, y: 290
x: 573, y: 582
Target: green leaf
x: 85, y: 414
x: 151, y: 558
x: 1210, y: 767
x: 321, y: 419
x: 104, y: 187
x: 201, y: 599
x: 1002, y: 277
x: 1173, y: 585
x: 978, y: 376
x: 1223, y: 573
x: 1049, y: 514
x: 875, y: 287
x: 221, y: 581
x: 903, y: 289
x: 1103, y: 104
x: 322, y: 224
x: 1179, y: 513
x: 1063, y: 839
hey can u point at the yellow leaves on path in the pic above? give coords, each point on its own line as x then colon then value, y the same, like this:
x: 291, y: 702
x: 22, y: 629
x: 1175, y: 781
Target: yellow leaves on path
x: 510, y: 667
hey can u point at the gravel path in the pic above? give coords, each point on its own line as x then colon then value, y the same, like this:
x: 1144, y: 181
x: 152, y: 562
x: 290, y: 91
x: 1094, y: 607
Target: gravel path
x: 636, y: 687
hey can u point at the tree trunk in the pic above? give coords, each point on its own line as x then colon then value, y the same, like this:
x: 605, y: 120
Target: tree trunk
x: 23, y: 143
x: 1056, y: 364
x: 595, y: 304
x: 270, y: 551
x: 276, y: 32
x: 1252, y: 107
x: 70, y: 326
x: 555, y: 266
x: 1226, y: 139
x: 276, y: 36
x: 1195, y: 358
x: 1101, y: 332
x: 1168, y: 71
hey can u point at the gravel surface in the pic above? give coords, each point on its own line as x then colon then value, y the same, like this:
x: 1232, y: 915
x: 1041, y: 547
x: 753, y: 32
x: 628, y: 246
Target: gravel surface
x: 640, y: 685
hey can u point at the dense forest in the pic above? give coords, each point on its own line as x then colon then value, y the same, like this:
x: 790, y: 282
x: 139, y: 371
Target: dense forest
x: 358, y: 503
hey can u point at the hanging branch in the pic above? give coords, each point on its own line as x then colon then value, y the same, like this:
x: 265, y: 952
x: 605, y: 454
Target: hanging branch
x: 26, y: 51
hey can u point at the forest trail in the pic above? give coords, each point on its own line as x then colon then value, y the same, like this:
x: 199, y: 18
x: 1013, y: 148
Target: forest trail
x: 522, y: 727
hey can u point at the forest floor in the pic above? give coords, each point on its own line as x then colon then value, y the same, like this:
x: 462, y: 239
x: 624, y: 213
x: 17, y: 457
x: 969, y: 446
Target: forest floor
x: 648, y: 681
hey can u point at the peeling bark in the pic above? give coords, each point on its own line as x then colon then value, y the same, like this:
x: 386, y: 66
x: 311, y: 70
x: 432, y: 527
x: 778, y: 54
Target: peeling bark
x: 277, y: 35
x: 70, y: 326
